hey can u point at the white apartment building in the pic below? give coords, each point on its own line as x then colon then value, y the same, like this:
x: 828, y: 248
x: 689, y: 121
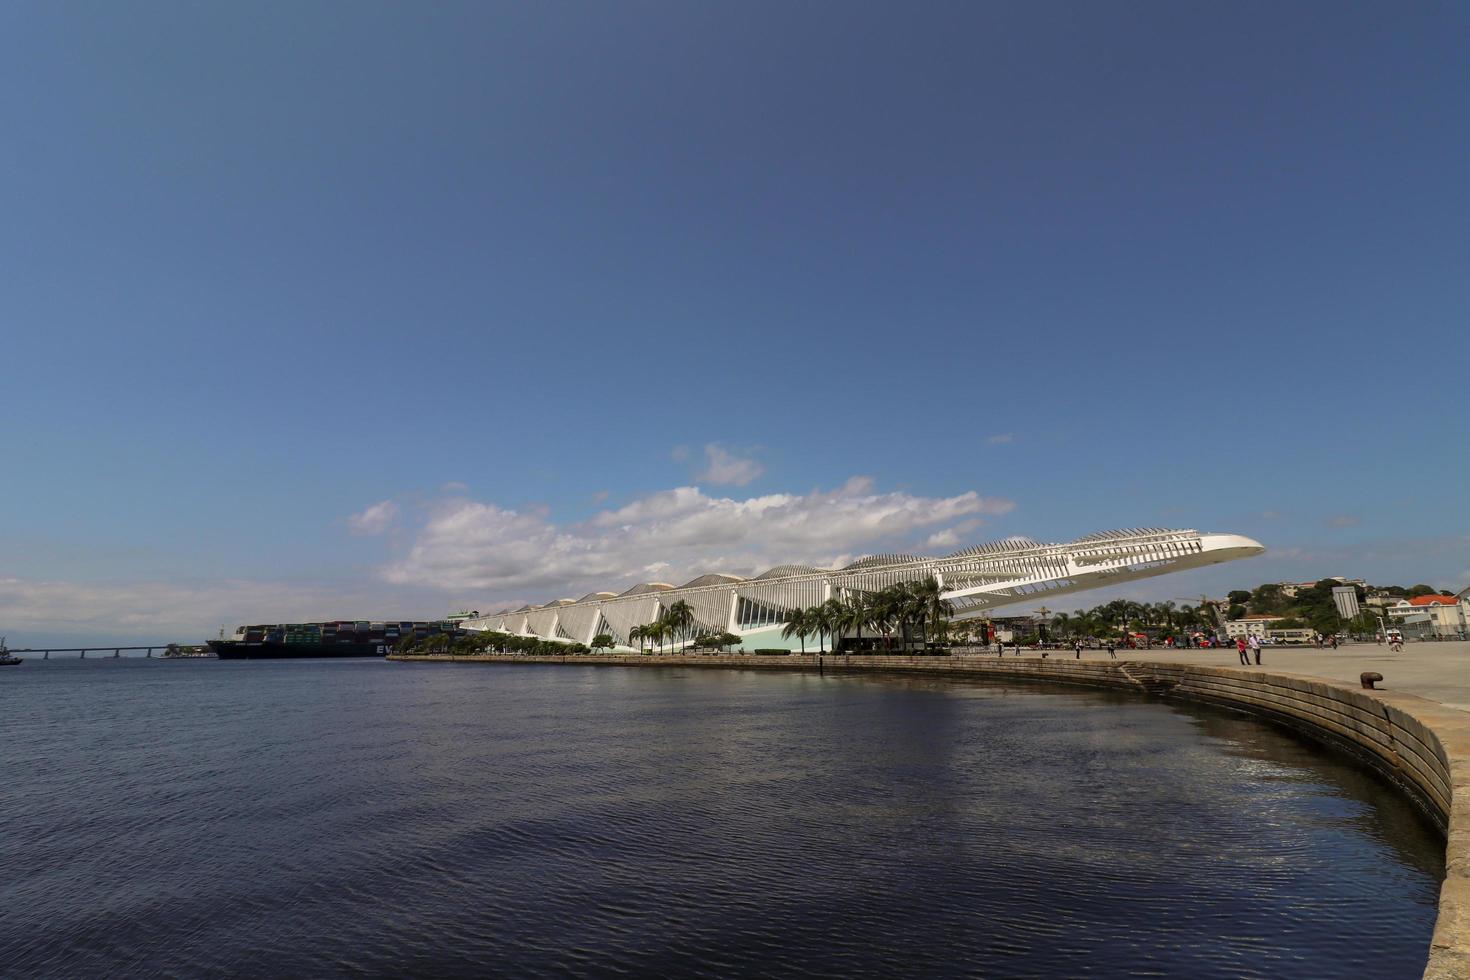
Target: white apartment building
x: 1251, y: 626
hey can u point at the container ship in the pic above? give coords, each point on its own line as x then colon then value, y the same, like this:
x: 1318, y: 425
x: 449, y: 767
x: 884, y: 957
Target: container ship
x: 342, y: 638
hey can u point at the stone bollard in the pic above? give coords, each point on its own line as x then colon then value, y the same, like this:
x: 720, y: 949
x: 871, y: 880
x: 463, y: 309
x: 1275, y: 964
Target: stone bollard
x: 1369, y: 678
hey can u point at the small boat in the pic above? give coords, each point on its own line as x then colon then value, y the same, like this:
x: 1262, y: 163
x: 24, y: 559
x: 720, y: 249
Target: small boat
x: 6, y: 660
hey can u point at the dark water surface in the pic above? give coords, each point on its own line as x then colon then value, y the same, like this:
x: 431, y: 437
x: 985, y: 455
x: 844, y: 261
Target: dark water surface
x: 365, y: 818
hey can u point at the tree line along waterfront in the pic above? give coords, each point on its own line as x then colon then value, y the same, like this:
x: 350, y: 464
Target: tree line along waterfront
x: 915, y: 617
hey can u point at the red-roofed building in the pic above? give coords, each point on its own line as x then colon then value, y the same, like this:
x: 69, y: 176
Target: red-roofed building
x: 1432, y: 615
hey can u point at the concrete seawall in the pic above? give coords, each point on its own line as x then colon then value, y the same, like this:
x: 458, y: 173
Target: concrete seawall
x: 1422, y: 745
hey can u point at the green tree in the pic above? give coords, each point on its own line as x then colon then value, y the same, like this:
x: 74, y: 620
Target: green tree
x: 1325, y: 621
x: 1239, y: 597
x: 602, y: 641
x: 1062, y: 624
x: 1421, y: 589
x: 798, y: 624
x: 680, y: 618
x: 856, y: 614
x: 1267, y: 600
x: 930, y: 606
x: 885, y: 612
x: 832, y: 616
x: 910, y: 609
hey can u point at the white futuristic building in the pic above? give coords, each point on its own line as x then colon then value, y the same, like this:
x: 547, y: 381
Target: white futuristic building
x: 976, y: 580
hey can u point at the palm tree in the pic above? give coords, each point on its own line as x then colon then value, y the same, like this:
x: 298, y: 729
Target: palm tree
x: 798, y: 624
x: 680, y: 617
x: 885, y: 610
x: 636, y: 635
x: 898, y: 611
x: 857, y: 612
x: 816, y: 621
x: 929, y: 605
x: 830, y: 616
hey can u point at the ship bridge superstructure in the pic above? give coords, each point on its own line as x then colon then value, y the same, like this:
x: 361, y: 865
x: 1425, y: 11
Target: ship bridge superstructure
x: 975, y: 580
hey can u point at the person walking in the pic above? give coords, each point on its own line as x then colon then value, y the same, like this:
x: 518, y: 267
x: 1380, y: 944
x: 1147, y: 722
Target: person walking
x: 1077, y: 645
x: 1112, y: 649
x: 1255, y: 642
x: 1240, y: 648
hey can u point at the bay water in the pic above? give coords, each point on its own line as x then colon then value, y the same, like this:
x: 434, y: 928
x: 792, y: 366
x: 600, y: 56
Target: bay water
x: 365, y: 818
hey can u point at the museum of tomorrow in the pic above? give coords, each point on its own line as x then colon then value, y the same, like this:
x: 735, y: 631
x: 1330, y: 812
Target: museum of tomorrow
x: 976, y: 580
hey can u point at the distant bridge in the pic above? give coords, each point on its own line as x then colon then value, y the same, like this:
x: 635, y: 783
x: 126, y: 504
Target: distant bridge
x: 116, y: 652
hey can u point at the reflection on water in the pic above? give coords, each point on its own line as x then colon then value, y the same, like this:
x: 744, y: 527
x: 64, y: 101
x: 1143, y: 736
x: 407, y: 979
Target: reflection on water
x: 310, y: 818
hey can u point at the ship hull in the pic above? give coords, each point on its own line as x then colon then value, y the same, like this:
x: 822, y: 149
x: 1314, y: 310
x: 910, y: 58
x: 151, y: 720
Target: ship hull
x: 266, y: 650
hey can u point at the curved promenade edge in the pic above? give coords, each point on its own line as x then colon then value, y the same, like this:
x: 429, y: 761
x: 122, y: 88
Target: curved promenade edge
x: 1423, y: 746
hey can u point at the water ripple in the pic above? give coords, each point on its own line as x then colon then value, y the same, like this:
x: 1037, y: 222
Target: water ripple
x: 373, y: 819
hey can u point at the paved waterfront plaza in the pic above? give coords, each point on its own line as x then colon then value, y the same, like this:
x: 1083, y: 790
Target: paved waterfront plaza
x: 1438, y: 671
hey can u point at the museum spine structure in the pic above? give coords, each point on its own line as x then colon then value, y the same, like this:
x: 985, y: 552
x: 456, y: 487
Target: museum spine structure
x: 976, y: 581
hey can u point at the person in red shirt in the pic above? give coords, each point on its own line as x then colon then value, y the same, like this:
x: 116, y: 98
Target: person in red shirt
x: 1241, y: 649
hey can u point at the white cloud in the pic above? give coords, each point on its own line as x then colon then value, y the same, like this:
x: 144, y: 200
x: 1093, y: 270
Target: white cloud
x: 679, y: 453
x: 951, y: 536
x: 942, y: 539
x: 375, y: 520
x: 482, y: 547
x: 455, y: 486
x: 1344, y: 520
x: 1001, y: 439
x: 724, y: 468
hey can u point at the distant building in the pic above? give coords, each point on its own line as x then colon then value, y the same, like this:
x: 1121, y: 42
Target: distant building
x: 1436, y: 615
x: 1251, y: 626
x: 1345, y: 597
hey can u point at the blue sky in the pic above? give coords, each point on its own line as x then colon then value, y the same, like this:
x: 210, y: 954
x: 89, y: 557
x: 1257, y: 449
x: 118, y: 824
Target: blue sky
x: 869, y: 276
